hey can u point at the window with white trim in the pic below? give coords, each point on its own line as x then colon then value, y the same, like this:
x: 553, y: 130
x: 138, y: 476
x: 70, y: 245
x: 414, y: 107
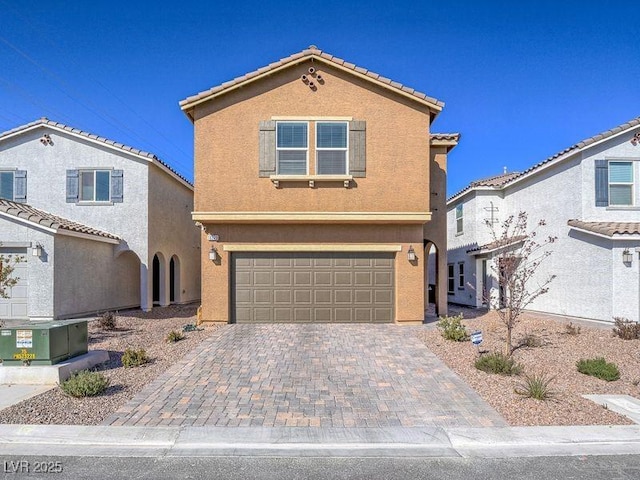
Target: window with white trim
x: 451, y: 280
x: 95, y: 185
x: 620, y: 183
x: 292, y: 140
x: 459, y: 215
x: 331, y: 148
x: 6, y: 185
x: 461, y: 276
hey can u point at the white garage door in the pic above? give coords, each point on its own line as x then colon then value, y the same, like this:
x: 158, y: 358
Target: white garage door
x: 16, y: 305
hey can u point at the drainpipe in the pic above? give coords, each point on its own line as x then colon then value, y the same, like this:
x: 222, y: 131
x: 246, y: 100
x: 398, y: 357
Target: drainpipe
x: 638, y: 295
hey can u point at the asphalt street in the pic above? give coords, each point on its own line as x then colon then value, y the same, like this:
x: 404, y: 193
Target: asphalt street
x: 248, y: 468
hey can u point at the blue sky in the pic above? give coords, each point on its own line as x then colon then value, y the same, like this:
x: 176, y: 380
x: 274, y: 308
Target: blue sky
x: 521, y: 80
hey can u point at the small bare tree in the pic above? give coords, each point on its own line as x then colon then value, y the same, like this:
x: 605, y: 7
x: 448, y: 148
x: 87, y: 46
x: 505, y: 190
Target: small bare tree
x: 7, y: 266
x: 519, y: 256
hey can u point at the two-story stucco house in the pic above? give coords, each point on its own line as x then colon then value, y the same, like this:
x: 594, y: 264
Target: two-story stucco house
x: 99, y: 224
x: 589, y: 197
x: 318, y: 185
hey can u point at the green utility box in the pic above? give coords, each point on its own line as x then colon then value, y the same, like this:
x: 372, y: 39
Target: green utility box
x: 45, y: 343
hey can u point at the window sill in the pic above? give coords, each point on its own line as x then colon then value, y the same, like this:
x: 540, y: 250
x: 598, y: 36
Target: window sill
x: 85, y: 203
x: 624, y: 207
x: 312, y: 179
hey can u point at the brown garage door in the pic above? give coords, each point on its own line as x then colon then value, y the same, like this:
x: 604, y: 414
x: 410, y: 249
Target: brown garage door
x: 312, y: 287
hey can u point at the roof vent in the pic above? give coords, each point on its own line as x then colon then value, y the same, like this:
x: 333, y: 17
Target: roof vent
x: 504, y: 170
x: 313, y: 47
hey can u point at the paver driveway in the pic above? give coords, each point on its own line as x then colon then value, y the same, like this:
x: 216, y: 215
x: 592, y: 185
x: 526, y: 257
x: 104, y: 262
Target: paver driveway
x: 309, y: 375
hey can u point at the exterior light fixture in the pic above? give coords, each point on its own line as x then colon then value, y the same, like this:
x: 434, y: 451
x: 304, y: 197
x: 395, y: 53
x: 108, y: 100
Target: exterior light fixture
x: 627, y: 256
x: 213, y: 254
x: 36, y: 251
x: 411, y: 254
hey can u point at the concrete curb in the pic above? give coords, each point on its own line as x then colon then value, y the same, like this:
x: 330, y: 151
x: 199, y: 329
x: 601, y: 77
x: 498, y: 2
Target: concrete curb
x: 496, y: 442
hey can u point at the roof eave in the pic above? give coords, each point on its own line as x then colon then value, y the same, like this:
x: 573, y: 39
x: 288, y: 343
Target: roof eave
x: 187, y: 105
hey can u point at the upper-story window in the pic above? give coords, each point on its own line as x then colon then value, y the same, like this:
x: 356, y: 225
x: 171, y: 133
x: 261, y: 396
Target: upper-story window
x: 621, y: 183
x: 459, y: 222
x: 95, y: 186
x: 331, y: 148
x: 6, y: 185
x: 292, y: 148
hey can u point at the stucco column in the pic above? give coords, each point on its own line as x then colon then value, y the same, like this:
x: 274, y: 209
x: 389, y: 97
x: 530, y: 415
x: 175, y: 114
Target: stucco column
x: 164, y: 282
x: 146, y: 289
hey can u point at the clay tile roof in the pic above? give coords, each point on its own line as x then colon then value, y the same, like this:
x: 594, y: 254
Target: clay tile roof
x: 106, y: 141
x: 496, y: 180
x: 451, y: 137
x: 315, y: 52
x: 608, y: 229
x: 496, y: 245
x: 34, y: 215
x: 582, y: 144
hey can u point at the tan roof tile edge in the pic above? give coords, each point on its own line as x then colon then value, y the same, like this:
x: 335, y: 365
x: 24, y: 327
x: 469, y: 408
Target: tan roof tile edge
x: 46, y: 122
x: 308, y: 53
x: 27, y: 212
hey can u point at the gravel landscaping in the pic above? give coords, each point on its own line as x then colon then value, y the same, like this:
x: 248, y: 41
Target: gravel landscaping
x: 135, y: 329
x: 557, y: 357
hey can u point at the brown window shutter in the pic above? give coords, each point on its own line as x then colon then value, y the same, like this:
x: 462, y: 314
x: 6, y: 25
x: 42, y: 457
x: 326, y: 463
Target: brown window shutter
x: 267, y: 148
x: 357, y: 148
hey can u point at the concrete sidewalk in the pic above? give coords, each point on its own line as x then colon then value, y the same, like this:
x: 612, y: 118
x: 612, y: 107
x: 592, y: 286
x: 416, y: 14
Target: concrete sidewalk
x: 488, y: 442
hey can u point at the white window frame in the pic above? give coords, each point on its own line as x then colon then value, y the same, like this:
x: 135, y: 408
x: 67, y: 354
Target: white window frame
x: 451, y: 278
x: 632, y: 183
x: 13, y: 181
x: 345, y: 149
x: 279, y: 149
x: 461, y: 276
x: 460, y: 219
x: 81, y: 173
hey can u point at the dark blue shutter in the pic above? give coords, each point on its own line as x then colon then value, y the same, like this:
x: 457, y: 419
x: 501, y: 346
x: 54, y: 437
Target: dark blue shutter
x: 116, y: 186
x: 20, y: 186
x: 73, y: 184
x: 602, y: 183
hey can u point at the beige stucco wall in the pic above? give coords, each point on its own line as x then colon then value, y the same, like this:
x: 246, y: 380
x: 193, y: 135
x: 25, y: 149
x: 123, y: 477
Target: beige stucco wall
x: 398, y: 176
x: 226, y: 146
x: 409, y: 299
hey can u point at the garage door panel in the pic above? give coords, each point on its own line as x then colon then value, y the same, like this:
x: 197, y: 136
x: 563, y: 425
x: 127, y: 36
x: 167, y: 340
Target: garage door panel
x: 383, y: 279
x: 323, y: 296
x: 262, y: 278
x: 312, y: 287
x: 322, y: 278
x: 302, y: 297
x: 282, y: 278
x: 343, y: 315
x: 282, y: 296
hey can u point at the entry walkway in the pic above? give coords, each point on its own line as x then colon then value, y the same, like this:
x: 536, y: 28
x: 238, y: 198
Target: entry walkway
x: 309, y: 376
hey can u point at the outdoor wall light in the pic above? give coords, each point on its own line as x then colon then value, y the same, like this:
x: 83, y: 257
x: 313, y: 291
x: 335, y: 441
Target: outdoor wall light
x: 411, y: 254
x: 213, y: 254
x: 36, y: 251
x: 627, y: 256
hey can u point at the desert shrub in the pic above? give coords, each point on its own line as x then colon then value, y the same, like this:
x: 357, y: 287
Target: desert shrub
x: 572, y: 329
x: 498, y: 363
x: 174, y: 336
x: 536, y: 386
x: 599, y: 368
x: 626, y: 329
x: 453, y: 329
x: 134, y: 358
x: 85, y: 384
x: 108, y: 321
x: 532, y: 341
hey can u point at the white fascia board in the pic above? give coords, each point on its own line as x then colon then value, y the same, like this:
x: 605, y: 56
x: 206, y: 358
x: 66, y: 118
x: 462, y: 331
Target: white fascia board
x: 601, y: 235
x: 29, y: 223
x: 88, y: 236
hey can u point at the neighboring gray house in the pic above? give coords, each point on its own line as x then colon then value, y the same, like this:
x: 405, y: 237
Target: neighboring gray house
x: 589, y: 196
x: 101, y: 225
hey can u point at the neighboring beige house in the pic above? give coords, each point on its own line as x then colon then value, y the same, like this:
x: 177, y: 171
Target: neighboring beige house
x: 101, y: 225
x: 318, y: 186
